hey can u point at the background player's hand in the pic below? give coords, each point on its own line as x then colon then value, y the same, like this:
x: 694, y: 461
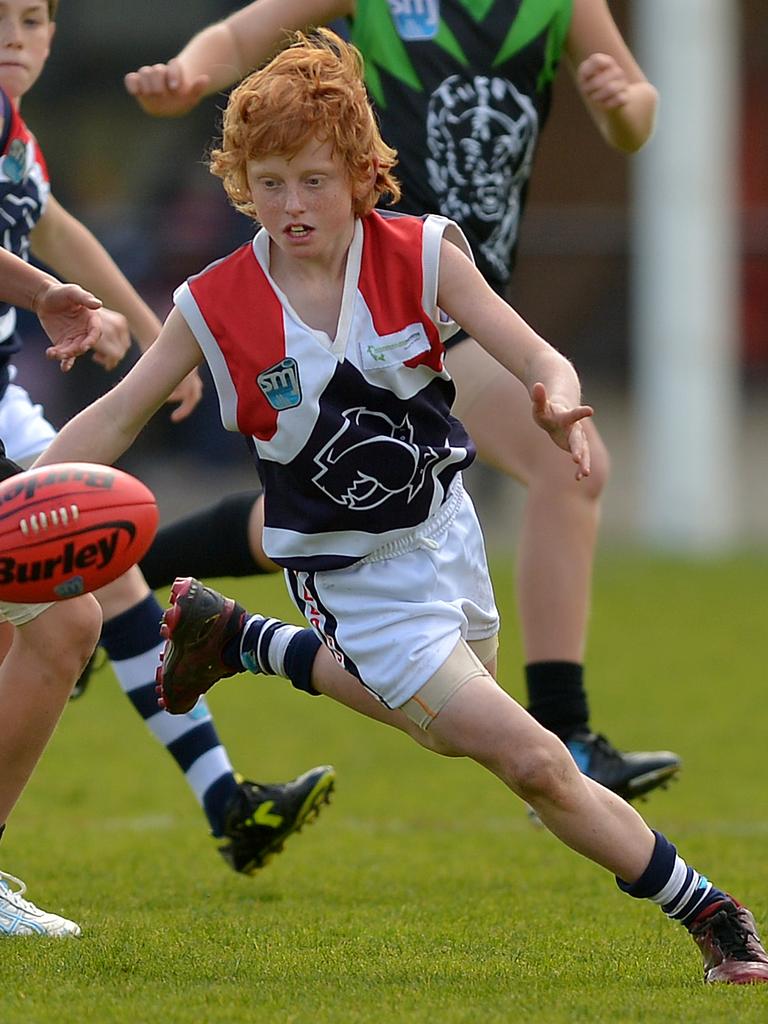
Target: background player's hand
x: 115, y: 339
x: 602, y: 82
x: 164, y: 90
x: 187, y: 395
x: 69, y: 316
x: 563, y: 424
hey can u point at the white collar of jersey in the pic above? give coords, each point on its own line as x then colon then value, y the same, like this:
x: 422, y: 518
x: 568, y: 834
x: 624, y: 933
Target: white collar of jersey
x: 338, y: 345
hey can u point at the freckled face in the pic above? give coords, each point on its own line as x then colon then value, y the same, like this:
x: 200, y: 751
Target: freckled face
x: 25, y: 42
x: 304, y: 202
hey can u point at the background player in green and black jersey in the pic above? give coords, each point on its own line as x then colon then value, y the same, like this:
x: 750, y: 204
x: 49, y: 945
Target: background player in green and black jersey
x: 462, y: 89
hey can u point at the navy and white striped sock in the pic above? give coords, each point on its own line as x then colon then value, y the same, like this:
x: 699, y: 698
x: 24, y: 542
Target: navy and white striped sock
x: 681, y: 892
x: 277, y: 648
x: 132, y: 641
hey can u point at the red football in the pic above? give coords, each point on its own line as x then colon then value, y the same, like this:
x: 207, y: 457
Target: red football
x: 70, y: 528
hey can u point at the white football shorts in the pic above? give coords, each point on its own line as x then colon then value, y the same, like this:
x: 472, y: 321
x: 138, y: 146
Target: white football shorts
x: 24, y: 429
x: 26, y: 433
x: 393, y: 618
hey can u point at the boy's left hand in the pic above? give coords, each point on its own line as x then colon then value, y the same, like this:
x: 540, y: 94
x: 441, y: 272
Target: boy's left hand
x: 165, y: 90
x: 563, y: 425
x: 186, y: 395
x: 115, y: 339
x: 602, y: 82
x: 69, y: 316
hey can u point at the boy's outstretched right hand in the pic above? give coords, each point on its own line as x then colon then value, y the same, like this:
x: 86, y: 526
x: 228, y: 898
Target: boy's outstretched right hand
x: 163, y: 90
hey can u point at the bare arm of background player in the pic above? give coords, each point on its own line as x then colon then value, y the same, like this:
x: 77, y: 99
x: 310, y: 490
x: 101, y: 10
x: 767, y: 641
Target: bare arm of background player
x: 108, y: 427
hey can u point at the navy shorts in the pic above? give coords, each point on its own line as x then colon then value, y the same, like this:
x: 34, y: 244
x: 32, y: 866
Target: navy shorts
x: 7, y: 466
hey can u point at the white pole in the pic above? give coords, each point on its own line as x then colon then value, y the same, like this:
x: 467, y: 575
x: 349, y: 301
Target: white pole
x: 685, y: 283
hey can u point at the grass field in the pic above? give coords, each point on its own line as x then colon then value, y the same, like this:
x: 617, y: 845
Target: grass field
x: 421, y: 894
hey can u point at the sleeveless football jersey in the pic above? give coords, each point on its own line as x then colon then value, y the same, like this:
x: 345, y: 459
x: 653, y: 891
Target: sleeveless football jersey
x: 354, y: 438
x: 24, y: 190
x: 462, y: 90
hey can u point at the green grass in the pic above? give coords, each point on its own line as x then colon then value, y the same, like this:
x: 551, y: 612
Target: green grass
x: 422, y: 894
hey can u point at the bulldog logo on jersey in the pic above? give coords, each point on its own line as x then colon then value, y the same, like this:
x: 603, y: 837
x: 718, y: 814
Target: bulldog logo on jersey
x: 370, y: 460
x: 481, y: 134
x: 415, y: 19
x: 280, y: 384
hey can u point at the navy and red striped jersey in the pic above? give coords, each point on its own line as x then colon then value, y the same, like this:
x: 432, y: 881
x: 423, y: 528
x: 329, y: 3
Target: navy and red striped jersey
x: 354, y: 437
x: 24, y: 191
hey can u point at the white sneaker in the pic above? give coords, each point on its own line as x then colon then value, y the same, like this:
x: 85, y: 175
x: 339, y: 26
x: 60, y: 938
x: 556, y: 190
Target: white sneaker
x: 20, y: 917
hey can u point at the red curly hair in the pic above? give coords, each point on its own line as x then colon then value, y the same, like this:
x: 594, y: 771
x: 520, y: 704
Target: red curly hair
x: 312, y: 89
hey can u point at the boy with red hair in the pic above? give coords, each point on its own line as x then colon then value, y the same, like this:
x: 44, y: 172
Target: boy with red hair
x: 325, y: 337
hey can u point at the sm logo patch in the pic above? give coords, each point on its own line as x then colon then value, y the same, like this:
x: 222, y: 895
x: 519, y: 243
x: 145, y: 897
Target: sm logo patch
x: 13, y: 166
x: 280, y: 384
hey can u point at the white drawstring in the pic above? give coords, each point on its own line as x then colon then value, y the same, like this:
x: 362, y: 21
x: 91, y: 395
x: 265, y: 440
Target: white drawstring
x: 422, y: 536
x: 12, y: 896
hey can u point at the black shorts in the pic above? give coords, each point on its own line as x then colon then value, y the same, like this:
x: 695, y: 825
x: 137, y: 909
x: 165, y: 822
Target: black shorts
x: 7, y: 466
x: 456, y: 339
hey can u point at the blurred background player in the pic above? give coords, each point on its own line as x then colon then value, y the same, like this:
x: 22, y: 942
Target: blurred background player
x: 33, y: 221
x: 51, y: 642
x: 463, y: 94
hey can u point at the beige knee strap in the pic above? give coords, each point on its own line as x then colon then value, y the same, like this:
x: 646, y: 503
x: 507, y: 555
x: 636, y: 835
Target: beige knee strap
x: 461, y: 665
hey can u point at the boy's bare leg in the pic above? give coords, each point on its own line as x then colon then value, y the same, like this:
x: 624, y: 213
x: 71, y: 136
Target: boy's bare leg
x: 461, y: 711
x: 556, y: 545
x: 36, y: 678
x: 483, y: 722
x: 122, y: 594
x: 131, y: 637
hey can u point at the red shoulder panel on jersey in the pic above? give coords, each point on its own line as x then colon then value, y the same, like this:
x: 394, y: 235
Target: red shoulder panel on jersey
x: 246, y: 318
x: 388, y: 282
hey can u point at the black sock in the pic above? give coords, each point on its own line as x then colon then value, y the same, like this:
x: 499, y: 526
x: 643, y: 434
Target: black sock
x: 299, y: 659
x: 681, y: 892
x: 212, y: 542
x: 276, y: 648
x: 556, y: 696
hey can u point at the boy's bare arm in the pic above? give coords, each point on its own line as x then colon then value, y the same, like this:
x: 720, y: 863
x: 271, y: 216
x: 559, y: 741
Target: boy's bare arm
x: 74, y: 253
x: 68, y: 313
x: 22, y: 284
x: 225, y: 52
x: 549, y: 377
x: 618, y: 96
x: 108, y: 427
x: 69, y: 248
x: 464, y: 294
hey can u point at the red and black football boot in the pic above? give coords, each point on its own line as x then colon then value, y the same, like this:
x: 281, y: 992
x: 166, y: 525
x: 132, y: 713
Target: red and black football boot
x: 196, y: 628
x: 729, y: 943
